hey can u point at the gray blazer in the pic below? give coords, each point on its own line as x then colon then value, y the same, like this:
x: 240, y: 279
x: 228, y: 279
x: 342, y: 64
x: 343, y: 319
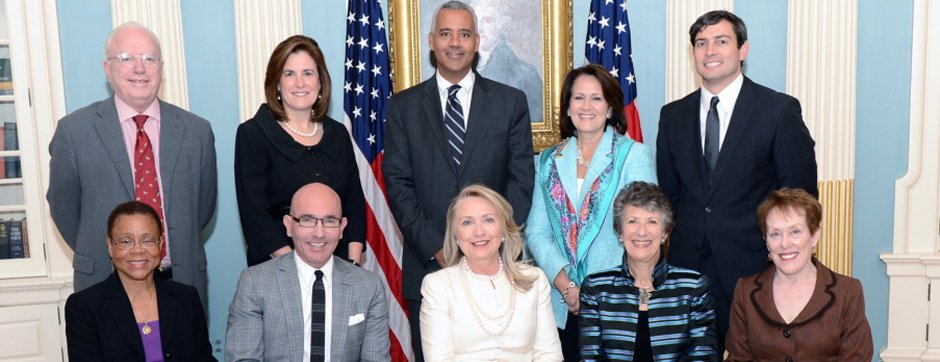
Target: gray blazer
x: 90, y: 174
x: 265, y: 319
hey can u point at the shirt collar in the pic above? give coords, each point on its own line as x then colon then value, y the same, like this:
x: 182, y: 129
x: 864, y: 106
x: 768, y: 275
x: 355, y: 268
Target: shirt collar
x: 307, y: 272
x: 466, y: 84
x: 659, y: 271
x: 727, y: 97
x: 126, y: 112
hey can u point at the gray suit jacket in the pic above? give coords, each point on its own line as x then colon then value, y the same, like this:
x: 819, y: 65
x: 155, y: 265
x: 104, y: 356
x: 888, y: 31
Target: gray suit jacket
x: 265, y: 319
x: 90, y: 174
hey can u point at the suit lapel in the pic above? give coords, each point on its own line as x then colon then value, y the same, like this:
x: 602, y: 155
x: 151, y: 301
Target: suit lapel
x: 172, y: 132
x: 289, y: 285
x: 108, y: 127
x: 692, y: 139
x: 119, y: 309
x: 431, y: 103
x: 167, y: 311
x: 479, y: 114
x: 740, y: 117
x: 341, y: 301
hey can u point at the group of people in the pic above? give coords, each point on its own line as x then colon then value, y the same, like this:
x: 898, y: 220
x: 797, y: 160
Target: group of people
x: 702, y: 251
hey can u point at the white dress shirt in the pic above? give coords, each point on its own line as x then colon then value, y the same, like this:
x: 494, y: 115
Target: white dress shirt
x: 305, y: 273
x: 726, y: 100
x: 464, y: 94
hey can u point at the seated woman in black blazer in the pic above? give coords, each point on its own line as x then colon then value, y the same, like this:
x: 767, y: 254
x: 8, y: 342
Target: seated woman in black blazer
x: 133, y: 316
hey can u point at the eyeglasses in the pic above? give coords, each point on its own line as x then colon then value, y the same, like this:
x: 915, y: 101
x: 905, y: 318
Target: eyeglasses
x: 128, y: 244
x: 311, y: 222
x: 128, y: 60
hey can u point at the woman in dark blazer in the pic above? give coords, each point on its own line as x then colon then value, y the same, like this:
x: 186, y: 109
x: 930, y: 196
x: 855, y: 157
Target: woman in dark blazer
x: 290, y: 142
x: 133, y: 315
x: 796, y: 309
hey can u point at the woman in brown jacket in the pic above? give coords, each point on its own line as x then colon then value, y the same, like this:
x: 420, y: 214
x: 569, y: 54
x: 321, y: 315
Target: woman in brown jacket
x: 796, y: 309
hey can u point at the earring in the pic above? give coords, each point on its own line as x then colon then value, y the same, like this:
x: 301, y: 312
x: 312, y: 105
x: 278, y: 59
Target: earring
x: 278, y: 95
x: 609, y: 113
x: 663, y: 241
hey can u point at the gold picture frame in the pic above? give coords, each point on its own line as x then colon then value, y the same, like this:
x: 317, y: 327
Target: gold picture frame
x: 408, y: 47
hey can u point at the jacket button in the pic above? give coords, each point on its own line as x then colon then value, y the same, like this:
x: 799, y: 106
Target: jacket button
x: 708, y: 209
x: 787, y: 333
x: 789, y: 359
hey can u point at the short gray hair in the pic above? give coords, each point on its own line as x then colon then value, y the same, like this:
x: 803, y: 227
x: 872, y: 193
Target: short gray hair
x: 130, y: 25
x: 643, y: 195
x: 454, y: 5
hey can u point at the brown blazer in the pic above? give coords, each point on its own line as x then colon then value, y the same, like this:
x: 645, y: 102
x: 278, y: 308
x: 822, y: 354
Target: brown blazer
x: 832, y: 326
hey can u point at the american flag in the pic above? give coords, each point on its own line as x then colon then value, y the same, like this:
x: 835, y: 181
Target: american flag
x: 366, y: 89
x: 608, y: 44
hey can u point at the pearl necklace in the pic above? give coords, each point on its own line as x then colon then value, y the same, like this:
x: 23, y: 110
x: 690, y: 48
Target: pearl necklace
x: 478, y: 311
x: 316, y: 127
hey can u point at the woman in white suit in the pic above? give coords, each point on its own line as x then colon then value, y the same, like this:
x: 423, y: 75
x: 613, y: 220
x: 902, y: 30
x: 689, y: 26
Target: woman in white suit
x: 570, y: 227
x: 486, y: 305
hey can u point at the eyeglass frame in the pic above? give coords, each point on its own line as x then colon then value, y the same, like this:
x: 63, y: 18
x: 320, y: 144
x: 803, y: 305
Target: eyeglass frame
x: 317, y: 221
x: 120, y: 244
x: 128, y: 60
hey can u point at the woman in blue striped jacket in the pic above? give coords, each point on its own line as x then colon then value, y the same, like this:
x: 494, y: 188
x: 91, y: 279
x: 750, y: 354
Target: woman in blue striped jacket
x: 646, y: 309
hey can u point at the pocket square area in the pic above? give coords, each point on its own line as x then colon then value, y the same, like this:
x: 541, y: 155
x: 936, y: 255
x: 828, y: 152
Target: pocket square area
x: 356, y: 319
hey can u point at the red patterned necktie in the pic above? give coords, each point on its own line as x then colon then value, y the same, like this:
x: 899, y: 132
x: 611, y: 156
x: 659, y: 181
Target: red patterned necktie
x: 146, y: 186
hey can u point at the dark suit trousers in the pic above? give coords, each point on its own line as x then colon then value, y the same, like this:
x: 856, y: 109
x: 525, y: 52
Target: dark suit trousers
x: 414, y: 318
x: 721, y: 297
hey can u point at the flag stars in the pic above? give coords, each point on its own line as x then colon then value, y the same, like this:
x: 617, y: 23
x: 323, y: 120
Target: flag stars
x: 591, y: 18
x: 371, y: 139
x: 600, y: 45
x: 617, y: 49
x: 364, y: 19
x: 361, y: 66
x: 621, y: 27
x: 348, y: 63
x: 378, y: 48
x: 363, y: 43
x: 376, y: 70
x: 592, y: 41
x: 359, y: 89
x: 623, y: 5
x: 614, y: 72
x: 605, y: 22
x: 380, y: 24
x: 347, y: 87
x: 374, y: 93
x: 351, y: 17
x: 630, y: 78
x: 373, y: 116
x: 357, y: 112
x: 608, y: 2
x: 349, y: 41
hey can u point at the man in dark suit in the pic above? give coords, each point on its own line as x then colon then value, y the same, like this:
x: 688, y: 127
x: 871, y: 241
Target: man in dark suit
x: 101, y: 153
x: 720, y: 151
x: 440, y: 138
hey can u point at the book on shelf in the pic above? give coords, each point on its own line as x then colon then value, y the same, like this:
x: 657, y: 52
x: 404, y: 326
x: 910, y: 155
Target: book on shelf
x: 6, y: 77
x: 11, y: 142
x: 4, y: 241
x: 15, y: 232
x: 25, y: 238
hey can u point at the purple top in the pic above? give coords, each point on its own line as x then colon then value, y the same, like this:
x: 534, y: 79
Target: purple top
x: 153, y: 349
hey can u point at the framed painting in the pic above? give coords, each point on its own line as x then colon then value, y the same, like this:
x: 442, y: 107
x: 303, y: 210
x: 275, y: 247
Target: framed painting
x: 525, y: 44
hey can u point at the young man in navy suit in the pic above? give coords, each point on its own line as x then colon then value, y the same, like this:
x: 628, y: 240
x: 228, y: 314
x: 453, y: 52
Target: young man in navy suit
x: 720, y: 151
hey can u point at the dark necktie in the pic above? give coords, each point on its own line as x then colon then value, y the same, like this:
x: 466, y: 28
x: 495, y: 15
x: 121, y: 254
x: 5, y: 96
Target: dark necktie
x: 146, y: 187
x: 318, y: 320
x: 712, y: 128
x: 453, y: 121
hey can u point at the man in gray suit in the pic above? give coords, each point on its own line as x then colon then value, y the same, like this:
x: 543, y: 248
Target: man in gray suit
x: 274, y: 314
x: 454, y: 129
x: 93, y: 166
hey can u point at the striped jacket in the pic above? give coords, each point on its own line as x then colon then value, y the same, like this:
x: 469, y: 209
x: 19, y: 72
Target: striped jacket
x: 681, y: 315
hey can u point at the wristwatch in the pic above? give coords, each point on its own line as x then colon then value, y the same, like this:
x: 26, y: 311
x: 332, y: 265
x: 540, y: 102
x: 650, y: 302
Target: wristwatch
x: 356, y: 263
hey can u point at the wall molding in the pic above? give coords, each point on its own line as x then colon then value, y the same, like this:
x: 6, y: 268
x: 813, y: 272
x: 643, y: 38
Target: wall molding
x: 164, y: 19
x: 914, y: 262
x: 259, y: 27
x: 681, y: 78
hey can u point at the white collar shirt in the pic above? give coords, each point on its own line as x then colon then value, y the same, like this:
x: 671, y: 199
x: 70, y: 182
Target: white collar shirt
x: 305, y: 273
x: 464, y: 94
x: 726, y: 100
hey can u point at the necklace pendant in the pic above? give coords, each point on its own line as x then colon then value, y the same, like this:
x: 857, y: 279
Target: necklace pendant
x: 146, y: 329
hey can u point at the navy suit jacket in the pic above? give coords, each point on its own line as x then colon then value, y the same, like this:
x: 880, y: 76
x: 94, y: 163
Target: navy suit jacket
x: 767, y: 146
x: 100, y: 324
x: 421, y: 176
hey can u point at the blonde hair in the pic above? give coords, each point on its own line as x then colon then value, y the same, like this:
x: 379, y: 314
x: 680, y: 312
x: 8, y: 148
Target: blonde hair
x: 511, y: 248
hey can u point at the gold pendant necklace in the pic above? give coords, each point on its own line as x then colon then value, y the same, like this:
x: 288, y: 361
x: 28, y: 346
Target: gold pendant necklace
x: 146, y: 330
x: 645, y: 294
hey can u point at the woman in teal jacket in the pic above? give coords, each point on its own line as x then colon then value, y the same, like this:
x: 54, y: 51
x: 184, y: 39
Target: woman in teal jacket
x: 570, y: 227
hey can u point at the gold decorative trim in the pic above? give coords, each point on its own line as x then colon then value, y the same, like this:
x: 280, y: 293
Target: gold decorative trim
x: 405, y: 39
x: 835, y: 246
